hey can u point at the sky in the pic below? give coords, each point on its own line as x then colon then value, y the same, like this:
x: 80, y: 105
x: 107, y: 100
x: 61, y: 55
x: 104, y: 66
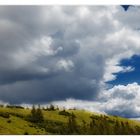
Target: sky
x: 74, y: 56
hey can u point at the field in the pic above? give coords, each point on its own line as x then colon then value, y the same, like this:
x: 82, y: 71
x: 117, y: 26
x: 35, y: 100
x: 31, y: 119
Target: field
x: 14, y: 121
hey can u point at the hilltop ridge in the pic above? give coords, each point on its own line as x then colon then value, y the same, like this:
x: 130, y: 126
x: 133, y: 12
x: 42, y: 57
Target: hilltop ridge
x: 20, y: 121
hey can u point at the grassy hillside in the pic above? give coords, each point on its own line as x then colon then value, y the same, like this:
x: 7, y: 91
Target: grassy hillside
x: 16, y: 121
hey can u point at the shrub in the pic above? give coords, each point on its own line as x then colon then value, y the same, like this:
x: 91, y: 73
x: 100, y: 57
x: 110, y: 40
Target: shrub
x: 94, y: 117
x: 15, y: 106
x: 55, y: 127
x: 65, y: 113
x: 51, y: 108
x: 1, y: 105
x: 26, y: 133
x: 31, y: 125
x: 4, y: 114
x: 9, y: 121
x: 17, y: 115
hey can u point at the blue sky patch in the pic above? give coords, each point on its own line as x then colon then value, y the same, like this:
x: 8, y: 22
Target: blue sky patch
x: 129, y: 77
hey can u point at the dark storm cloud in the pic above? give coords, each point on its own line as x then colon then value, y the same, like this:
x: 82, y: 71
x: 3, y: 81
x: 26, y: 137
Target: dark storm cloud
x: 48, y: 90
x: 41, y: 58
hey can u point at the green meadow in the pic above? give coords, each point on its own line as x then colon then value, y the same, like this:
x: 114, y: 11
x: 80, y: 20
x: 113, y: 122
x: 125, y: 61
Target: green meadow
x: 51, y: 121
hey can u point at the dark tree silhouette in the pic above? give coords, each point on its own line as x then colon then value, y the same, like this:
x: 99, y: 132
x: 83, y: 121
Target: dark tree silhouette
x: 36, y: 115
x: 72, y: 125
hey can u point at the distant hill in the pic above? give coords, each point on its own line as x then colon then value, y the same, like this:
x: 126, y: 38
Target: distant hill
x: 20, y: 121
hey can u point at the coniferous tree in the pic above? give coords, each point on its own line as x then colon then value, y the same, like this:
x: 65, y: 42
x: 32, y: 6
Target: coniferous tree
x: 52, y: 108
x: 84, y: 125
x: 33, y: 114
x: 137, y: 130
x: 72, y: 125
x: 36, y: 115
x: 39, y: 114
x: 116, y: 128
x: 92, y: 125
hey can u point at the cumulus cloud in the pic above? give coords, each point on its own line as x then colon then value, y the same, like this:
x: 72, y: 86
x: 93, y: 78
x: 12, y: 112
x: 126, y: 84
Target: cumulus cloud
x: 123, y: 100
x: 51, y: 53
x: 120, y: 100
x: 65, y: 64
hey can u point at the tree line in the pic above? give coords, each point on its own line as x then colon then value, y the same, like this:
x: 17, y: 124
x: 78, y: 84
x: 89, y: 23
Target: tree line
x: 97, y: 124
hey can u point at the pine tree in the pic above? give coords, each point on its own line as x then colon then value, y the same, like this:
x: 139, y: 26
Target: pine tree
x: 33, y: 114
x: 92, y: 126
x: 117, y: 128
x: 84, y: 127
x: 39, y: 114
x: 72, y: 125
x: 36, y: 115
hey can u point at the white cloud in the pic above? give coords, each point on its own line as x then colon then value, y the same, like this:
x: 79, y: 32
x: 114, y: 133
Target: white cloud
x: 124, y: 100
x: 120, y: 100
x: 34, y: 50
x: 80, y: 104
x: 67, y: 65
x: 128, y: 69
x: 87, y: 42
x: 127, y: 92
x: 111, y: 70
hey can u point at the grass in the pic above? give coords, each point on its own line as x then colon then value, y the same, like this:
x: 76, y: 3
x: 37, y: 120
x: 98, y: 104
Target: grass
x: 17, y: 124
x: 53, y: 115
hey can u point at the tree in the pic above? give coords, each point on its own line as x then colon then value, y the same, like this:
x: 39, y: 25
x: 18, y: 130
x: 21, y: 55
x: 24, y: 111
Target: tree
x: 84, y: 128
x: 117, y: 128
x: 33, y: 111
x: 137, y: 130
x: 72, y: 125
x: 92, y: 125
x: 39, y: 114
x: 33, y: 114
x: 52, y: 108
x: 36, y: 115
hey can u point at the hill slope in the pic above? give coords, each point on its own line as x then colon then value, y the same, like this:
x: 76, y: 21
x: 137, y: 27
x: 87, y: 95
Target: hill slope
x: 15, y: 121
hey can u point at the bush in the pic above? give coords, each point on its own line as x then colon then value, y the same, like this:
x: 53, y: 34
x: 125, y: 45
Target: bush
x: 65, y: 113
x: 17, y: 115
x: 26, y: 133
x: 14, y: 106
x: 5, y: 114
x: 55, y: 127
x: 1, y: 105
x: 9, y: 121
x: 31, y: 125
x: 95, y: 117
x: 51, y: 108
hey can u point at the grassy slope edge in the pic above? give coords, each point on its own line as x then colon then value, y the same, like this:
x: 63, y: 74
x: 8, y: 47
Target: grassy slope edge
x: 17, y: 125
